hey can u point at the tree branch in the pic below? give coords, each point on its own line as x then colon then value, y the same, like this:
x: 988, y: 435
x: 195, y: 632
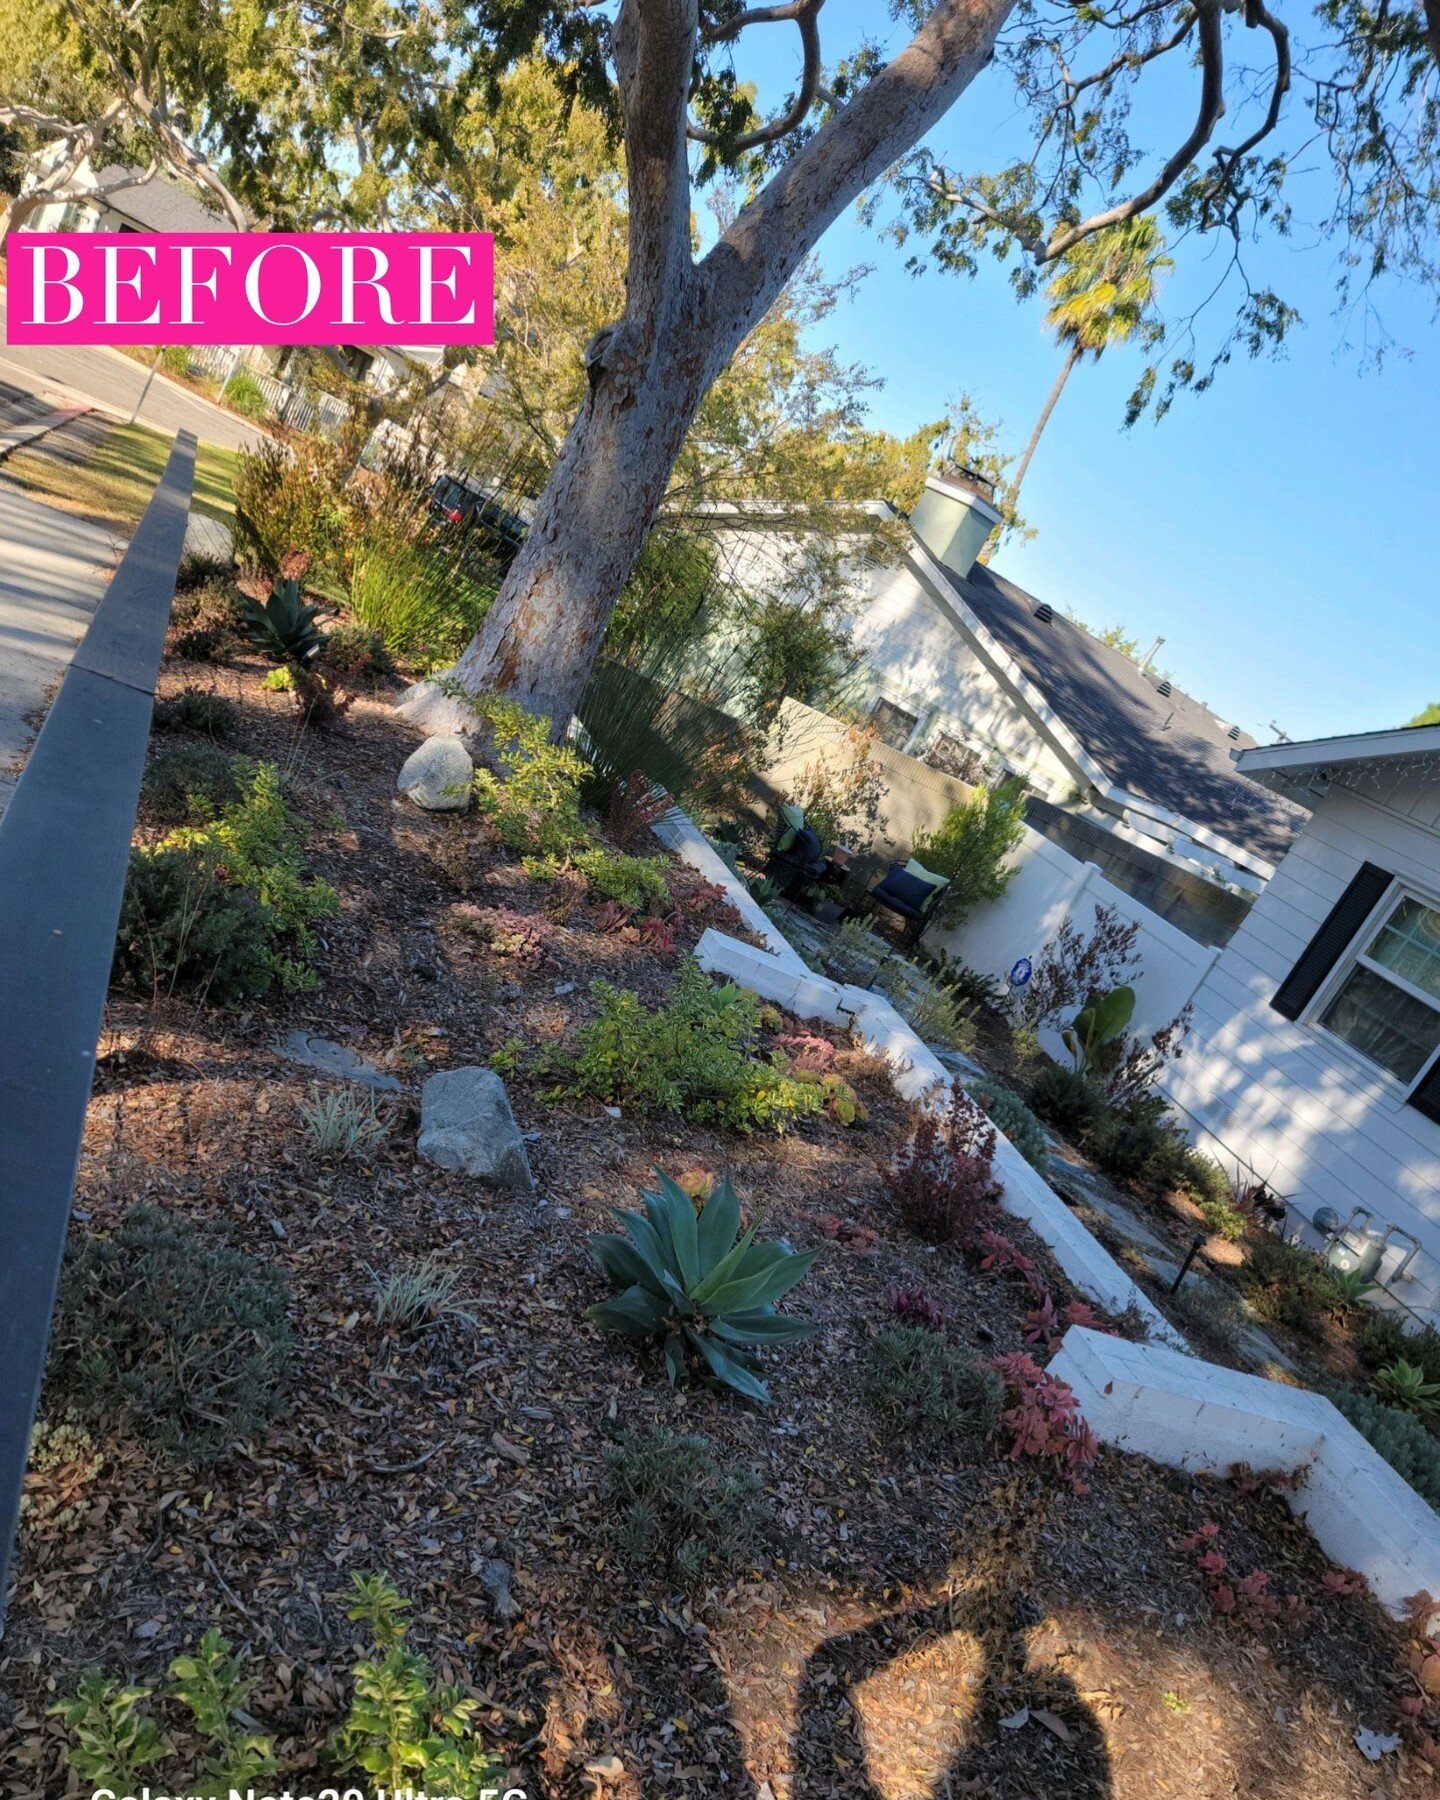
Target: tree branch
x: 770, y: 237
x: 806, y: 15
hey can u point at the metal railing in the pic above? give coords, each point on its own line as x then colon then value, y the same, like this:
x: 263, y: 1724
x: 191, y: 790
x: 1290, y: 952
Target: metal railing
x: 64, y: 849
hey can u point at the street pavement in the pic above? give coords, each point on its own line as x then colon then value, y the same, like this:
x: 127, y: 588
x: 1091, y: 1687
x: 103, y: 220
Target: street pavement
x: 53, y: 569
x: 70, y: 373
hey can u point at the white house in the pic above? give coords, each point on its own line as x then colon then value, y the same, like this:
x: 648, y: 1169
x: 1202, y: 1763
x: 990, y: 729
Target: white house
x: 967, y: 672
x: 1314, y: 1058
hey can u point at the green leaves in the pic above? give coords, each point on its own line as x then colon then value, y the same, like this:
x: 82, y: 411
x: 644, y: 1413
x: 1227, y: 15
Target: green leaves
x: 113, y: 1739
x: 1403, y: 1384
x: 283, y: 628
x: 688, y: 1280
x: 1099, y: 1022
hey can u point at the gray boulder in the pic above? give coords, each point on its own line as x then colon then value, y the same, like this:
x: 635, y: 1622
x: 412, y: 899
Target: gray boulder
x: 437, y: 776
x: 466, y: 1124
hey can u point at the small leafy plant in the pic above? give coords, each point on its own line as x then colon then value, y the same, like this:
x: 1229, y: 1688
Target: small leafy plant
x: 636, y: 805
x: 938, y: 1392
x: 185, y: 1335
x: 684, y: 1278
x: 695, y: 1055
x: 1102, y: 1020
x: 1011, y: 1116
x: 943, y: 1182
x: 633, y: 881
x: 532, y: 794
x: 195, y: 709
x: 530, y: 938
x: 679, y: 1507
x: 1043, y: 1419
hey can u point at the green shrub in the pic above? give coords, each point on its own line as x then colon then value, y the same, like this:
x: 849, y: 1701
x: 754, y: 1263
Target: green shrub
x: 939, y: 1018
x: 1140, y: 1142
x: 1409, y: 1448
x: 532, y: 798
x: 694, y: 1056
x: 357, y: 653
x: 938, y: 1393
x: 203, y: 569
x: 1403, y: 1383
x: 1381, y: 1337
x: 195, y: 709
x: 182, y: 928
x: 422, y: 585
x: 1066, y: 1100
x: 1210, y: 1312
x: 686, y: 1280
x: 631, y: 881
x: 224, y: 909
x: 290, y: 497
x: 1210, y: 1188
x: 184, y: 1334
x: 1011, y: 1116
x: 1287, y: 1283
x: 970, y: 847
x: 175, y: 359
x: 188, y: 784
x: 677, y: 1508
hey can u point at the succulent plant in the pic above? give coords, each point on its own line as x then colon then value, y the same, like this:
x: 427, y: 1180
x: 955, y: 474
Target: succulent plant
x: 685, y: 1278
x: 283, y: 628
x: 1403, y: 1384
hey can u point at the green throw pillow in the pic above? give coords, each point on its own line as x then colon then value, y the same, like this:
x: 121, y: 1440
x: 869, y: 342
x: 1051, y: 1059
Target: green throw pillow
x: 792, y: 818
x: 937, y: 883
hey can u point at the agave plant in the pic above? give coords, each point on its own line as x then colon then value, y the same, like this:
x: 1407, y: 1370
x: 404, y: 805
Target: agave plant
x: 686, y: 1278
x: 1402, y: 1384
x: 283, y: 628
x: 1351, y: 1287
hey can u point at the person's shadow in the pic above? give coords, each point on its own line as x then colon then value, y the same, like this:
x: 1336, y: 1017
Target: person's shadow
x: 1067, y: 1756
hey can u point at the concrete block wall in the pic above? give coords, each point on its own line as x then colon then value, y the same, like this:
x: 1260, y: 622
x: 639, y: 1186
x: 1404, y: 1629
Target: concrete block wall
x: 1150, y: 1400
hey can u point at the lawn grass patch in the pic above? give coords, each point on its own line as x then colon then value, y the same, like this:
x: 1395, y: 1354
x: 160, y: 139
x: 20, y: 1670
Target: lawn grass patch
x: 114, y: 484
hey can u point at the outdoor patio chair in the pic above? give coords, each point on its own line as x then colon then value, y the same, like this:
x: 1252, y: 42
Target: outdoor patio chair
x: 911, y: 892
x: 800, y: 861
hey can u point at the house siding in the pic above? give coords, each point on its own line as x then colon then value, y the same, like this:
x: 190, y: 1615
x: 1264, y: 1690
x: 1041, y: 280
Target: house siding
x: 1288, y: 1102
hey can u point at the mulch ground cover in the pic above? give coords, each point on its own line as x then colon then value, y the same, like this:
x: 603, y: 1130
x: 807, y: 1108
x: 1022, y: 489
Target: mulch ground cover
x: 915, y: 1626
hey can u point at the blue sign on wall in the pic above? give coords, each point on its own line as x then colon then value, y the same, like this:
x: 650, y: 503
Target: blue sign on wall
x: 1021, y: 972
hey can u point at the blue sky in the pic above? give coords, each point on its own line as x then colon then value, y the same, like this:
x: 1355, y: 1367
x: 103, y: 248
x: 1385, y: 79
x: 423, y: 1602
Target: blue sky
x: 1282, y: 531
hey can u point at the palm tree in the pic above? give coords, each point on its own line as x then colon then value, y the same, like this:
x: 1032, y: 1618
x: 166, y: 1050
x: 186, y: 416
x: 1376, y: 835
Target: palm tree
x: 1102, y: 293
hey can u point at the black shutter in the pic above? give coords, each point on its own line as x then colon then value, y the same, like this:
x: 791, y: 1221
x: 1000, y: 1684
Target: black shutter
x: 1332, y: 940
x: 1426, y: 1098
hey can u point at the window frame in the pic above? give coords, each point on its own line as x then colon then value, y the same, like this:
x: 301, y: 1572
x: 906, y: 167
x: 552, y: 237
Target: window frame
x: 1353, y: 957
x: 903, y: 704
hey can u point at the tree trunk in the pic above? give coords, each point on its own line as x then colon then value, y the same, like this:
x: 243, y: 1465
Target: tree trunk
x: 682, y: 324
x: 1069, y: 363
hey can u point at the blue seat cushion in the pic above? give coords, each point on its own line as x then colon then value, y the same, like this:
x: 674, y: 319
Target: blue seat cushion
x: 906, y: 893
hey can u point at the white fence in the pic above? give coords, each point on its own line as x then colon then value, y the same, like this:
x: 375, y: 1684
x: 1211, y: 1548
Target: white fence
x: 284, y: 402
x: 1050, y: 886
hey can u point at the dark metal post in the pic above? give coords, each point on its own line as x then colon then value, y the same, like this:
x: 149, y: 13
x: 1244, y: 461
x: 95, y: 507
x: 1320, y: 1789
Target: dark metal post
x: 1190, y: 1256
x: 64, y: 847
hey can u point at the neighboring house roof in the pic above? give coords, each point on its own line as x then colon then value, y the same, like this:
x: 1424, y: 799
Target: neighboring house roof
x: 1166, y: 749
x: 159, y: 204
x: 1280, y: 765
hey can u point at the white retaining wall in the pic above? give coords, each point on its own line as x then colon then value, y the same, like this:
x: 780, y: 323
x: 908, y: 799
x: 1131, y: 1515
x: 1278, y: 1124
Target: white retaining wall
x: 1195, y: 1415
x: 678, y: 832
x: 919, y: 1075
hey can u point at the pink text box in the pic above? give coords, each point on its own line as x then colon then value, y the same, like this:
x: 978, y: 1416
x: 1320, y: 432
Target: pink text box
x: 283, y: 287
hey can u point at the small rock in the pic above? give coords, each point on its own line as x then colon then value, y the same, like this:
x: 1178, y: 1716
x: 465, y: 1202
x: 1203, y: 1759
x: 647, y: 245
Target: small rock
x: 438, y: 775
x: 495, y: 1577
x: 466, y: 1124
x: 614, y: 1111
x: 565, y: 987
x: 606, y: 1768
x: 334, y: 1059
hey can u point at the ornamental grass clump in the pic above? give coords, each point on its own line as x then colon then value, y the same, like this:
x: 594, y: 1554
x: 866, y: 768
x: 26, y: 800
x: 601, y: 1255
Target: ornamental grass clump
x: 939, y: 1393
x: 943, y: 1182
x: 684, y: 1278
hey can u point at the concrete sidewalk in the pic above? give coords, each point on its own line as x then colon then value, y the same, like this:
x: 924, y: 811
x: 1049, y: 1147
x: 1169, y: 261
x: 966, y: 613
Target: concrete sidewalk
x: 53, y: 569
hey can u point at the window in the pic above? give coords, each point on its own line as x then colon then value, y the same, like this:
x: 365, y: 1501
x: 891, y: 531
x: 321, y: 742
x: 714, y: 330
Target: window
x: 1388, y: 1005
x: 893, y: 725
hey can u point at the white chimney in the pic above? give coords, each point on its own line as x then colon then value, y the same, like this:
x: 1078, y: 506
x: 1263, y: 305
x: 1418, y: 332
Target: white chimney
x: 953, y: 519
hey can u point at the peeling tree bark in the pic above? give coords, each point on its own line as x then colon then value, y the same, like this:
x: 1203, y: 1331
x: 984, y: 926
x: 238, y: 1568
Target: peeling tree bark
x: 682, y: 323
